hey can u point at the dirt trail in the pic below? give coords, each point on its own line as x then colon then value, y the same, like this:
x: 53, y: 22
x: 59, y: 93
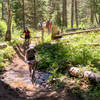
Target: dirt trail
x: 15, y: 84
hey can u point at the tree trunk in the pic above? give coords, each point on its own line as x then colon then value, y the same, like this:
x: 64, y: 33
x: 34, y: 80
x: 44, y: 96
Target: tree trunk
x: 64, y: 13
x: 8, y: 33
x: 50, y: 9
x: 2, y: 10
x: 35, y: 15
x: 78, y: 32
x: 96, y: 19
x: 76, y: 13
x: 92, y: 15
x: 72, y: 14
x: 23, y: 14
x: 99, y: 19
x: 58, y: 16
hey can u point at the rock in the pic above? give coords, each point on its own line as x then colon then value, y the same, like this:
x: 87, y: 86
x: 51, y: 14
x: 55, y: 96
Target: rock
x: 87, y: 74
x: 3, y: 45
x: 74, y: 71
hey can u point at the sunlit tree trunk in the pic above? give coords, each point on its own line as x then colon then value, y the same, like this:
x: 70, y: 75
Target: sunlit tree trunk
x: 8, y: 33
x: 96, y: 18
x: 99, y: 19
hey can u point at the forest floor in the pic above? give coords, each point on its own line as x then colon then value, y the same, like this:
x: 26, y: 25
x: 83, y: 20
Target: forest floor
x: 15, y: 84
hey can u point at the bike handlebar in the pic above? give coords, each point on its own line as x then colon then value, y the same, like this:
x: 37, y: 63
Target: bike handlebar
x: 22, y: 36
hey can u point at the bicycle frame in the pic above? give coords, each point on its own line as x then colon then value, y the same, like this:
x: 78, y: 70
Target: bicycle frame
x: 26, y: 44
x: 33, y: 65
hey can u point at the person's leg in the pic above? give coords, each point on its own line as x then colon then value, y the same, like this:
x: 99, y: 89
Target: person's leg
x: 25, y: 44
x: 30, y: 70
x: 42, y: 35
x: 29, y: 41
x: 48, y: 31
x: 33, y: 73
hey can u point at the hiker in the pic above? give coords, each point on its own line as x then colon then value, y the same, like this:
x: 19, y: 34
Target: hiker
x: 49, y: 26
x: 44, y: 25
x: 30, y: 59
x: 41, y: 28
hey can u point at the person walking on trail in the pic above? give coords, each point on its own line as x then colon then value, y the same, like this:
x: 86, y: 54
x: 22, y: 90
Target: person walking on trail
x: 27, y: 33
x: 31, y: 60
x: 49, y: 26
x: 41, y: 28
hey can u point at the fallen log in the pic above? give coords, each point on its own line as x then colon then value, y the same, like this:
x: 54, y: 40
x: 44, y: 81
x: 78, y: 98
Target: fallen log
x: 94, y: 44
x: 73, y: 29
x: 36, y: 37
x: 3, y: 45
x: 91, y: 76
x: 78, y: 32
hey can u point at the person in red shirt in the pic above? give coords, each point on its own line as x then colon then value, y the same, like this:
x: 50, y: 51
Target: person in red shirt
x: 49, y: 26
x: 27, y: 33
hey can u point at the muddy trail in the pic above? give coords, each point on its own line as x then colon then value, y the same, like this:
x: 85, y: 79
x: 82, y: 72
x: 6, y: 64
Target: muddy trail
x: 15, y: 83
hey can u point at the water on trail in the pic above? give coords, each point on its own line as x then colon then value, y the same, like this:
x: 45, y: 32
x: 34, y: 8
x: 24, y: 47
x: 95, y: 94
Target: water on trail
x: 17, y: 75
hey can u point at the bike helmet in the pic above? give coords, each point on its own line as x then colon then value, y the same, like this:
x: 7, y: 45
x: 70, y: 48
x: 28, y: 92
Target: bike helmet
x: 26, y: 28
x: 31, y: 46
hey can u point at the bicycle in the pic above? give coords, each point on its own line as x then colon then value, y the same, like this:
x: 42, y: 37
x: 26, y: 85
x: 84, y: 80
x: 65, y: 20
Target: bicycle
x: 26, y: 43
x: 32, y: 65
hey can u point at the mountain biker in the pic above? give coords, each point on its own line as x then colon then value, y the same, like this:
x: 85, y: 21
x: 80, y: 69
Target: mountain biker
x: 30, y: 59
x: 27, y: 33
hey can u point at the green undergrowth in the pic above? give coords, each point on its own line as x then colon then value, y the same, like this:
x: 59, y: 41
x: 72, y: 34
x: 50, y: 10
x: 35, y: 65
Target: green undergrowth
x: 6, y: 56
x: 83, y: 38
x: 3, y: 28
x: 53, y: 57
x: 57, y: 57
x: 93, y: 93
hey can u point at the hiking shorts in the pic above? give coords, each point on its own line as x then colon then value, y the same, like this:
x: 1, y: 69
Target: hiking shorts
x: 27, y: 37
x: 31, y: 62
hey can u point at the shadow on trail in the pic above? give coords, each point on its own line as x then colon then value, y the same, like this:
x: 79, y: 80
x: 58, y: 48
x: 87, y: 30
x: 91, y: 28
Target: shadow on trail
x: 19, y: 48
x: 9, y: 93
x: 61, y: 94
x: 19, y: 52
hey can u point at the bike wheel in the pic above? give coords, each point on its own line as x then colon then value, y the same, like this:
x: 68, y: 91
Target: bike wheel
x: 33, y: 77
x: 33, y: 72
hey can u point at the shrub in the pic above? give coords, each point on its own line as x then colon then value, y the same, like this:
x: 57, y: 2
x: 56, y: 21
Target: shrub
x: 8, y: 53
x: 54, y: 57
x: 3, y: 28
x: 81, y: 55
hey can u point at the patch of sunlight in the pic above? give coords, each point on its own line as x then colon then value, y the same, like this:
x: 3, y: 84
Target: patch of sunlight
x: 20, y: 75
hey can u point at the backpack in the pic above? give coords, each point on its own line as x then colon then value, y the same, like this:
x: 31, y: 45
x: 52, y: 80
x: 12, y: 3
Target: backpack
x: 30, y: 54
x: 40, y: 26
